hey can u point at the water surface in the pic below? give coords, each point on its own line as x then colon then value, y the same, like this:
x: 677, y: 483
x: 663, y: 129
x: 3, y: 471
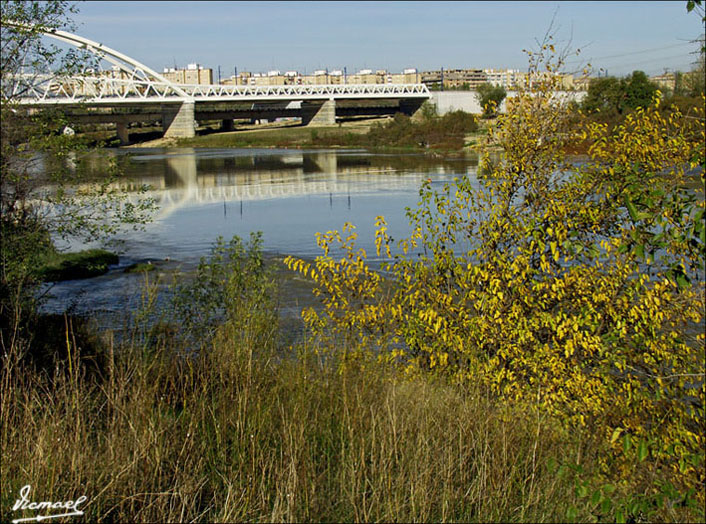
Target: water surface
x: 288, y: 195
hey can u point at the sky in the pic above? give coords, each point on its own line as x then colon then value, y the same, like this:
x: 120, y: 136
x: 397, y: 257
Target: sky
x: 613, y: 37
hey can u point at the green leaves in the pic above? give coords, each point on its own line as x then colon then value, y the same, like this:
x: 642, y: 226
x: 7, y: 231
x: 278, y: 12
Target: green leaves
x: 490, y: 97
x: 642, y: 450
x: 231, y: 286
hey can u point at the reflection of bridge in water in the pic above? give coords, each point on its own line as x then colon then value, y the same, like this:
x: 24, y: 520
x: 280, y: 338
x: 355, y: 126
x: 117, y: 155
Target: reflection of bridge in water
x: 189, y: 180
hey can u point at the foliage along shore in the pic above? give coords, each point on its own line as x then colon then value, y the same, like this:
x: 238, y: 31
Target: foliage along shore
x: 56, y: 266
x: 449, y: 133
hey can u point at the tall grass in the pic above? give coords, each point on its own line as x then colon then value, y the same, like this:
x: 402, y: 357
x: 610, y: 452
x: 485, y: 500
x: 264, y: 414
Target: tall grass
x: 240, y: 433
x: 245, y: 430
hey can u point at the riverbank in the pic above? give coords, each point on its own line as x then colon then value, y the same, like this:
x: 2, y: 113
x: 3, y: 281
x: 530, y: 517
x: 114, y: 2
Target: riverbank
x: 249, y: 429
x: 447, y: 134
x: 55, y: 266
x: 241, y: 434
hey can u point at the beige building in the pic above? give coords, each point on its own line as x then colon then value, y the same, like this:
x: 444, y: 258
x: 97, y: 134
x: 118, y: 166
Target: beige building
x: 581, y: 83
x: 408, y: 76
x: 507, y: 78
x: 322, y: 76
x: 454, y: 78
x: 472, y: 78
x: 665, y: 81
x: 193, y: 74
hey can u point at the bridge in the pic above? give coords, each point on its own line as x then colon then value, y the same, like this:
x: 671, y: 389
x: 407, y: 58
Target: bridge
x: 133, y: 92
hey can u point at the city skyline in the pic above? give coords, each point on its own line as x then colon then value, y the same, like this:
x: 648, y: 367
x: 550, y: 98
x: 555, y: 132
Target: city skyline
x: 617, y: 37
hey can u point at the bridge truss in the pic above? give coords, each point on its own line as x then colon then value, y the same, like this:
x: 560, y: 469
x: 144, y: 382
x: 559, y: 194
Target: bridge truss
x: 103, y: 89
x: 130, y: 81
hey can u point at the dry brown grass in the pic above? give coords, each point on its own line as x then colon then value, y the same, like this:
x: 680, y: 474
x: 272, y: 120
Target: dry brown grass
x: 242, y: 433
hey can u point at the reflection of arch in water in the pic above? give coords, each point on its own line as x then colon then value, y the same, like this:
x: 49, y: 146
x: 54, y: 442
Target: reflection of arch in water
x: 294, y: 185
x: 181, y: 177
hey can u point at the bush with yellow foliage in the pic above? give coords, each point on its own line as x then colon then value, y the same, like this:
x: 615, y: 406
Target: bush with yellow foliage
x: 574, y: 288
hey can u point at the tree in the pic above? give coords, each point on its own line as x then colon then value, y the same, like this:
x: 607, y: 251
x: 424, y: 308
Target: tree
x: 639, y: 90
x: 490, y: 97
x: 42, y: 165
x: 616, y: 96
x: 573, y: 290
x: 603, y: 95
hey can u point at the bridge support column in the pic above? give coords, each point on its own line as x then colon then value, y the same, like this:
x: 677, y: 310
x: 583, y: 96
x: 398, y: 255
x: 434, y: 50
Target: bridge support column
x: 227, y: 124
x: 123, y: 135
x: 318, y: 114
x: 178, y: 120
x: 411, y: 108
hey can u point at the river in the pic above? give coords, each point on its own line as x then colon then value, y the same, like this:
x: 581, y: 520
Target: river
x: 288, y: 195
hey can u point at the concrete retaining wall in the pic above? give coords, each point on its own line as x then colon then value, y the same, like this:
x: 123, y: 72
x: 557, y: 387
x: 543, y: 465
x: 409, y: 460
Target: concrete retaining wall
x: 447, y: 101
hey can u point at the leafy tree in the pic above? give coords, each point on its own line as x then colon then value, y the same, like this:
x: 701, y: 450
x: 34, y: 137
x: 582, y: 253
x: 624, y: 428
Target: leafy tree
x: 573, y: 290
x: 616, y: 96
x: 490, y: 97
x: 45, y: 192
x: 603, y: 95
x: 639, y: 90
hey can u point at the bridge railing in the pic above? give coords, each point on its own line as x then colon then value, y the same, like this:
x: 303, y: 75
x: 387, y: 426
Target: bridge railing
x: 304, y: 92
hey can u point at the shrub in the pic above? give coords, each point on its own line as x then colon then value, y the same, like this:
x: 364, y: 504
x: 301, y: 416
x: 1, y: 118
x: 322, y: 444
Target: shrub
x: 448, y: 130
x: 575, y: 290
x: 234, y: 287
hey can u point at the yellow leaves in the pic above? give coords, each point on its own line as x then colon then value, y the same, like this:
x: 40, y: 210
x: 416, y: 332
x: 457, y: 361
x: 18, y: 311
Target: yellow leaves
x: 554, y: 250
x: 381, y: 236
x: 536, y: 303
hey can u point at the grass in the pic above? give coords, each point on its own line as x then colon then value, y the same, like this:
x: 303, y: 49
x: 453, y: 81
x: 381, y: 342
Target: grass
x: 291, y: 136
x: 56, y: 266
x: 240, y: 433
x: 246, y: 429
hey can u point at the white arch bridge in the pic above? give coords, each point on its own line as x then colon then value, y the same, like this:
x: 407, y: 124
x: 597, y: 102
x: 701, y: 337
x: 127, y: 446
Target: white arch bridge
x: 131, y: 91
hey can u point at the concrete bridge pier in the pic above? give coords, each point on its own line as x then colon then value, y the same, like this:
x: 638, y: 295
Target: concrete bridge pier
x: 227, y: 124
x: 178, y: 120
x: 326, y: 162
x: 319, y: 114
x: 123, y: 134
x: 411, y: 107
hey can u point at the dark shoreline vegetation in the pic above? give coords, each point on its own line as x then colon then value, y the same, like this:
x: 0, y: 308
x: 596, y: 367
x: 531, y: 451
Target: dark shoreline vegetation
x: 56, y: 266
x: 450, y: 132
x: 544, y: 373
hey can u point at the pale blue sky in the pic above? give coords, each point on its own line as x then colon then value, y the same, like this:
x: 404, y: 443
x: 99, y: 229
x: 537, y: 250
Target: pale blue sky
x: 304, y: 36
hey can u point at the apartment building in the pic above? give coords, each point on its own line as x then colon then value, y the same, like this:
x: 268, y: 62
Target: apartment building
x: 450, y: 78
x: 581, y: 83
x: 665, y: 81
x: 507, y: 78
x: 193, y: 74
x: 324, y: 76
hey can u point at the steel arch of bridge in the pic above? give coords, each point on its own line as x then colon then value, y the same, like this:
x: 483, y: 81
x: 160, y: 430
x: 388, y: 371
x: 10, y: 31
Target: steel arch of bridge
x: 137, y: 83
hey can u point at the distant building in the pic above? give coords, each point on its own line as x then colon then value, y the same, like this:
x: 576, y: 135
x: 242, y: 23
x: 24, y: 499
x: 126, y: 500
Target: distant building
x: 582, y: 83
x: 450, y: 78
x: 454, y: 78
x: 665, y: 81
x: 367, y: 76
x: 507, y: 78
x: 193, y: 74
